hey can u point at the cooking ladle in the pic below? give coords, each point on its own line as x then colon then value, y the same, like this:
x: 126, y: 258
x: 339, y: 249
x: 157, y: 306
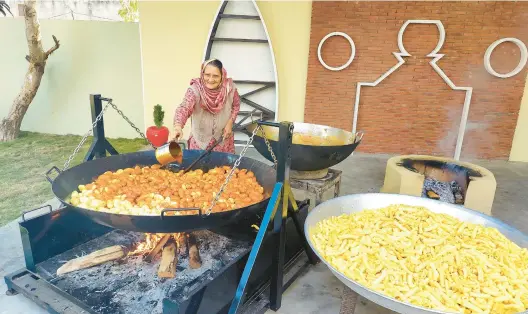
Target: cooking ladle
x: 204, y: 154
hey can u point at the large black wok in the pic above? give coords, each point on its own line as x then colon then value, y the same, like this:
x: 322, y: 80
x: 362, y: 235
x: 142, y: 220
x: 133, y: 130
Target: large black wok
x: 306, y: 157
x: 68, y: 181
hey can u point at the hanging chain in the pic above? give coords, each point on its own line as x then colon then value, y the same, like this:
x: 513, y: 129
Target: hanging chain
x: 129, y: 122
x: 76, y: 150
x: 97, y: 119
x: 235, y: 165
x: 265, y: 139
x: 269, y: 147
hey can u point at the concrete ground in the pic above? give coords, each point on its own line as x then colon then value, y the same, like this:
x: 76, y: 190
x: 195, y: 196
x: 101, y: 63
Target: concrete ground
x: 318, y: 291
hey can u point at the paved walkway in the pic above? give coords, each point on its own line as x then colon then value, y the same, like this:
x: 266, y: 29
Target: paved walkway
x: 318, y: 291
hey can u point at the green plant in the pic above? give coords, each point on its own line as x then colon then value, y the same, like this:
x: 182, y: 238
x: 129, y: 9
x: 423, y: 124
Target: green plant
x: 129, y: 10
x: 159, y: 115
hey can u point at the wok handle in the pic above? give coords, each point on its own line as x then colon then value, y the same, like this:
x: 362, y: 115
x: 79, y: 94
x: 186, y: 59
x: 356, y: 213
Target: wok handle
x: 268, y: 123
x: 165, y: 210
x: 34, y: 209
x: 359, y: 136
x: 49, y: 172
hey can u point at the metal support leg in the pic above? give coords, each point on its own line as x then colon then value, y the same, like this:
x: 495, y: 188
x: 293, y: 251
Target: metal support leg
x: 311, y: 255
x: 11, y: 292
x: 298, y: 226
x: 283, y: 175
x: 277, y: 260
x: 270, y: 212
x: 100, y: 144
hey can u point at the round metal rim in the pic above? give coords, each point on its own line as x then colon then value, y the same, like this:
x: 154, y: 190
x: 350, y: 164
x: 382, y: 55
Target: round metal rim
x: 405, y: 199
x: 253, y: 125
x: 145, y: 158
x: 220, y: 214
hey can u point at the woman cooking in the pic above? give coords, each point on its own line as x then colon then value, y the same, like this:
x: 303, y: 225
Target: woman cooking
x: 212, y: 102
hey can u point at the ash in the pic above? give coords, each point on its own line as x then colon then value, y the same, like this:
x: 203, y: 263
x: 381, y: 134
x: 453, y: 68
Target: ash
x: 449, y: 192
x: 132, y: 285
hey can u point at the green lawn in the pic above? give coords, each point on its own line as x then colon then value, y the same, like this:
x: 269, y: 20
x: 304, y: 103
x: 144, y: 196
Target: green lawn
x: 24, y: 162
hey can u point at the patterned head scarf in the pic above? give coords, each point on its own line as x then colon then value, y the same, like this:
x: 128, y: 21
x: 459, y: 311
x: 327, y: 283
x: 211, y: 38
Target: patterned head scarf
x: 213, y: 100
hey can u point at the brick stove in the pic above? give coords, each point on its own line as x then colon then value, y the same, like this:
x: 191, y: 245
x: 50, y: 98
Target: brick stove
x: 441, y: 178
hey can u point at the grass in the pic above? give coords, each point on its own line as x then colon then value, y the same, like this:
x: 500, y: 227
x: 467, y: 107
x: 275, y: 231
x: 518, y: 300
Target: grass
x: 24, y: 161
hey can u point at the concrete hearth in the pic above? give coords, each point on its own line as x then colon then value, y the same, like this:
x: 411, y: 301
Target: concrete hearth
x: 407, y: 174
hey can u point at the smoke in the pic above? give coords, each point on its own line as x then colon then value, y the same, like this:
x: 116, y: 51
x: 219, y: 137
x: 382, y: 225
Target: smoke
x: 447, y: 144
x: 478, y: 122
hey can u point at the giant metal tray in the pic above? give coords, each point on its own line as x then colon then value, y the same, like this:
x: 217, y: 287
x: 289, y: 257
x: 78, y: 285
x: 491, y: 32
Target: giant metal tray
x: 358, y: 202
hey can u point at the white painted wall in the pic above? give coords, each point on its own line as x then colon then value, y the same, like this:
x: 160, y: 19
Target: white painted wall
x: 94, y: 57
x: 247, y: 61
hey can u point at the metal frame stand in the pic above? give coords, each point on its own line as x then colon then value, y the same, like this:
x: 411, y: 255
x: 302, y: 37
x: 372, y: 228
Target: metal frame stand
x: 276, y: 211
x: 100, y: 144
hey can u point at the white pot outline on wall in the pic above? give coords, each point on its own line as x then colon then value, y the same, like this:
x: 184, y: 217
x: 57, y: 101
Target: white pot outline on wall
x: 436, y: 56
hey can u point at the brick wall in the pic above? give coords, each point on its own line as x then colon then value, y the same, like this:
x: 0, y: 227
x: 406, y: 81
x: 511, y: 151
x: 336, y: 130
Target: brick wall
x: 413, y: 111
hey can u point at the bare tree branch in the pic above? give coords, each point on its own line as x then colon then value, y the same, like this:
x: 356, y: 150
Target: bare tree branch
x: 52, y: 49
x: 37, y: 57
x: 3, y: 7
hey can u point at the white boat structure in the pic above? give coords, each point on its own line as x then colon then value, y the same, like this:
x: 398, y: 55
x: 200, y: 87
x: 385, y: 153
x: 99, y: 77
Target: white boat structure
x: 239, y: 38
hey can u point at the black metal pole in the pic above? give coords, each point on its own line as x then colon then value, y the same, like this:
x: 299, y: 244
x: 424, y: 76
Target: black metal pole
x: 99, y: 132
x: 279, y: 223
x: 99, y: 144
x: 97, y: 149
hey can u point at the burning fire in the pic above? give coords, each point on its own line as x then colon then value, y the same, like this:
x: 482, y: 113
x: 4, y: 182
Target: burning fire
x: 151, y: 241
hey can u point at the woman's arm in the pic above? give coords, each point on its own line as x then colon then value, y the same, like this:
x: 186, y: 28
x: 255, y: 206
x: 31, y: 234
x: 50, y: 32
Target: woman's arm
x: 185, y: 109
x: 236, y: 106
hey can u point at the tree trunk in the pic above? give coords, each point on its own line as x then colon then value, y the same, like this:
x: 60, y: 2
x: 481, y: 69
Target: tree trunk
x: 10, y: 126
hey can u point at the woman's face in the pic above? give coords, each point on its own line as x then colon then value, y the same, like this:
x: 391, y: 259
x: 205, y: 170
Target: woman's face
x: 212, y: 77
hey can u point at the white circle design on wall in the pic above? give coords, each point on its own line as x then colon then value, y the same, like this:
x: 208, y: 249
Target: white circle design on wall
x: 520, y: 66
x: 352, y: 55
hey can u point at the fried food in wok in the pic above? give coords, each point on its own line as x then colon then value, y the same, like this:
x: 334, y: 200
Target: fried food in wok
x: 148, y: 190
x: 315, y: 140
x: 427, y: 259
x: 309, y: 139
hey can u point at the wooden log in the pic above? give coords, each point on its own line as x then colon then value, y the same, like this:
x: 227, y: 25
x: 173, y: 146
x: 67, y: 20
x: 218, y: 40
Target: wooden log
x: 433, y: 195
x: 169, y: 259
x: 194, y: 253
x: 150, y: 256
x: 95, y: 258
x: 182, y: 244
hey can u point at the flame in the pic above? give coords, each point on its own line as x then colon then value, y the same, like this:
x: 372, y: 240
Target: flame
x: 150, y: 242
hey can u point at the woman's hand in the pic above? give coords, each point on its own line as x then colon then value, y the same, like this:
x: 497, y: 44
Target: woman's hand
x: 177, y: 132
x: 228, y: 130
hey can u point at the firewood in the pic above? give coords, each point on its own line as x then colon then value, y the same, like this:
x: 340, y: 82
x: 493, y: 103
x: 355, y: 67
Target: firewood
x: 169, y: 259
x: 194, y: 254
x: 433, y: 195
x: 157, y: 248
x: 95, y: 258
x: 182, y: 244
